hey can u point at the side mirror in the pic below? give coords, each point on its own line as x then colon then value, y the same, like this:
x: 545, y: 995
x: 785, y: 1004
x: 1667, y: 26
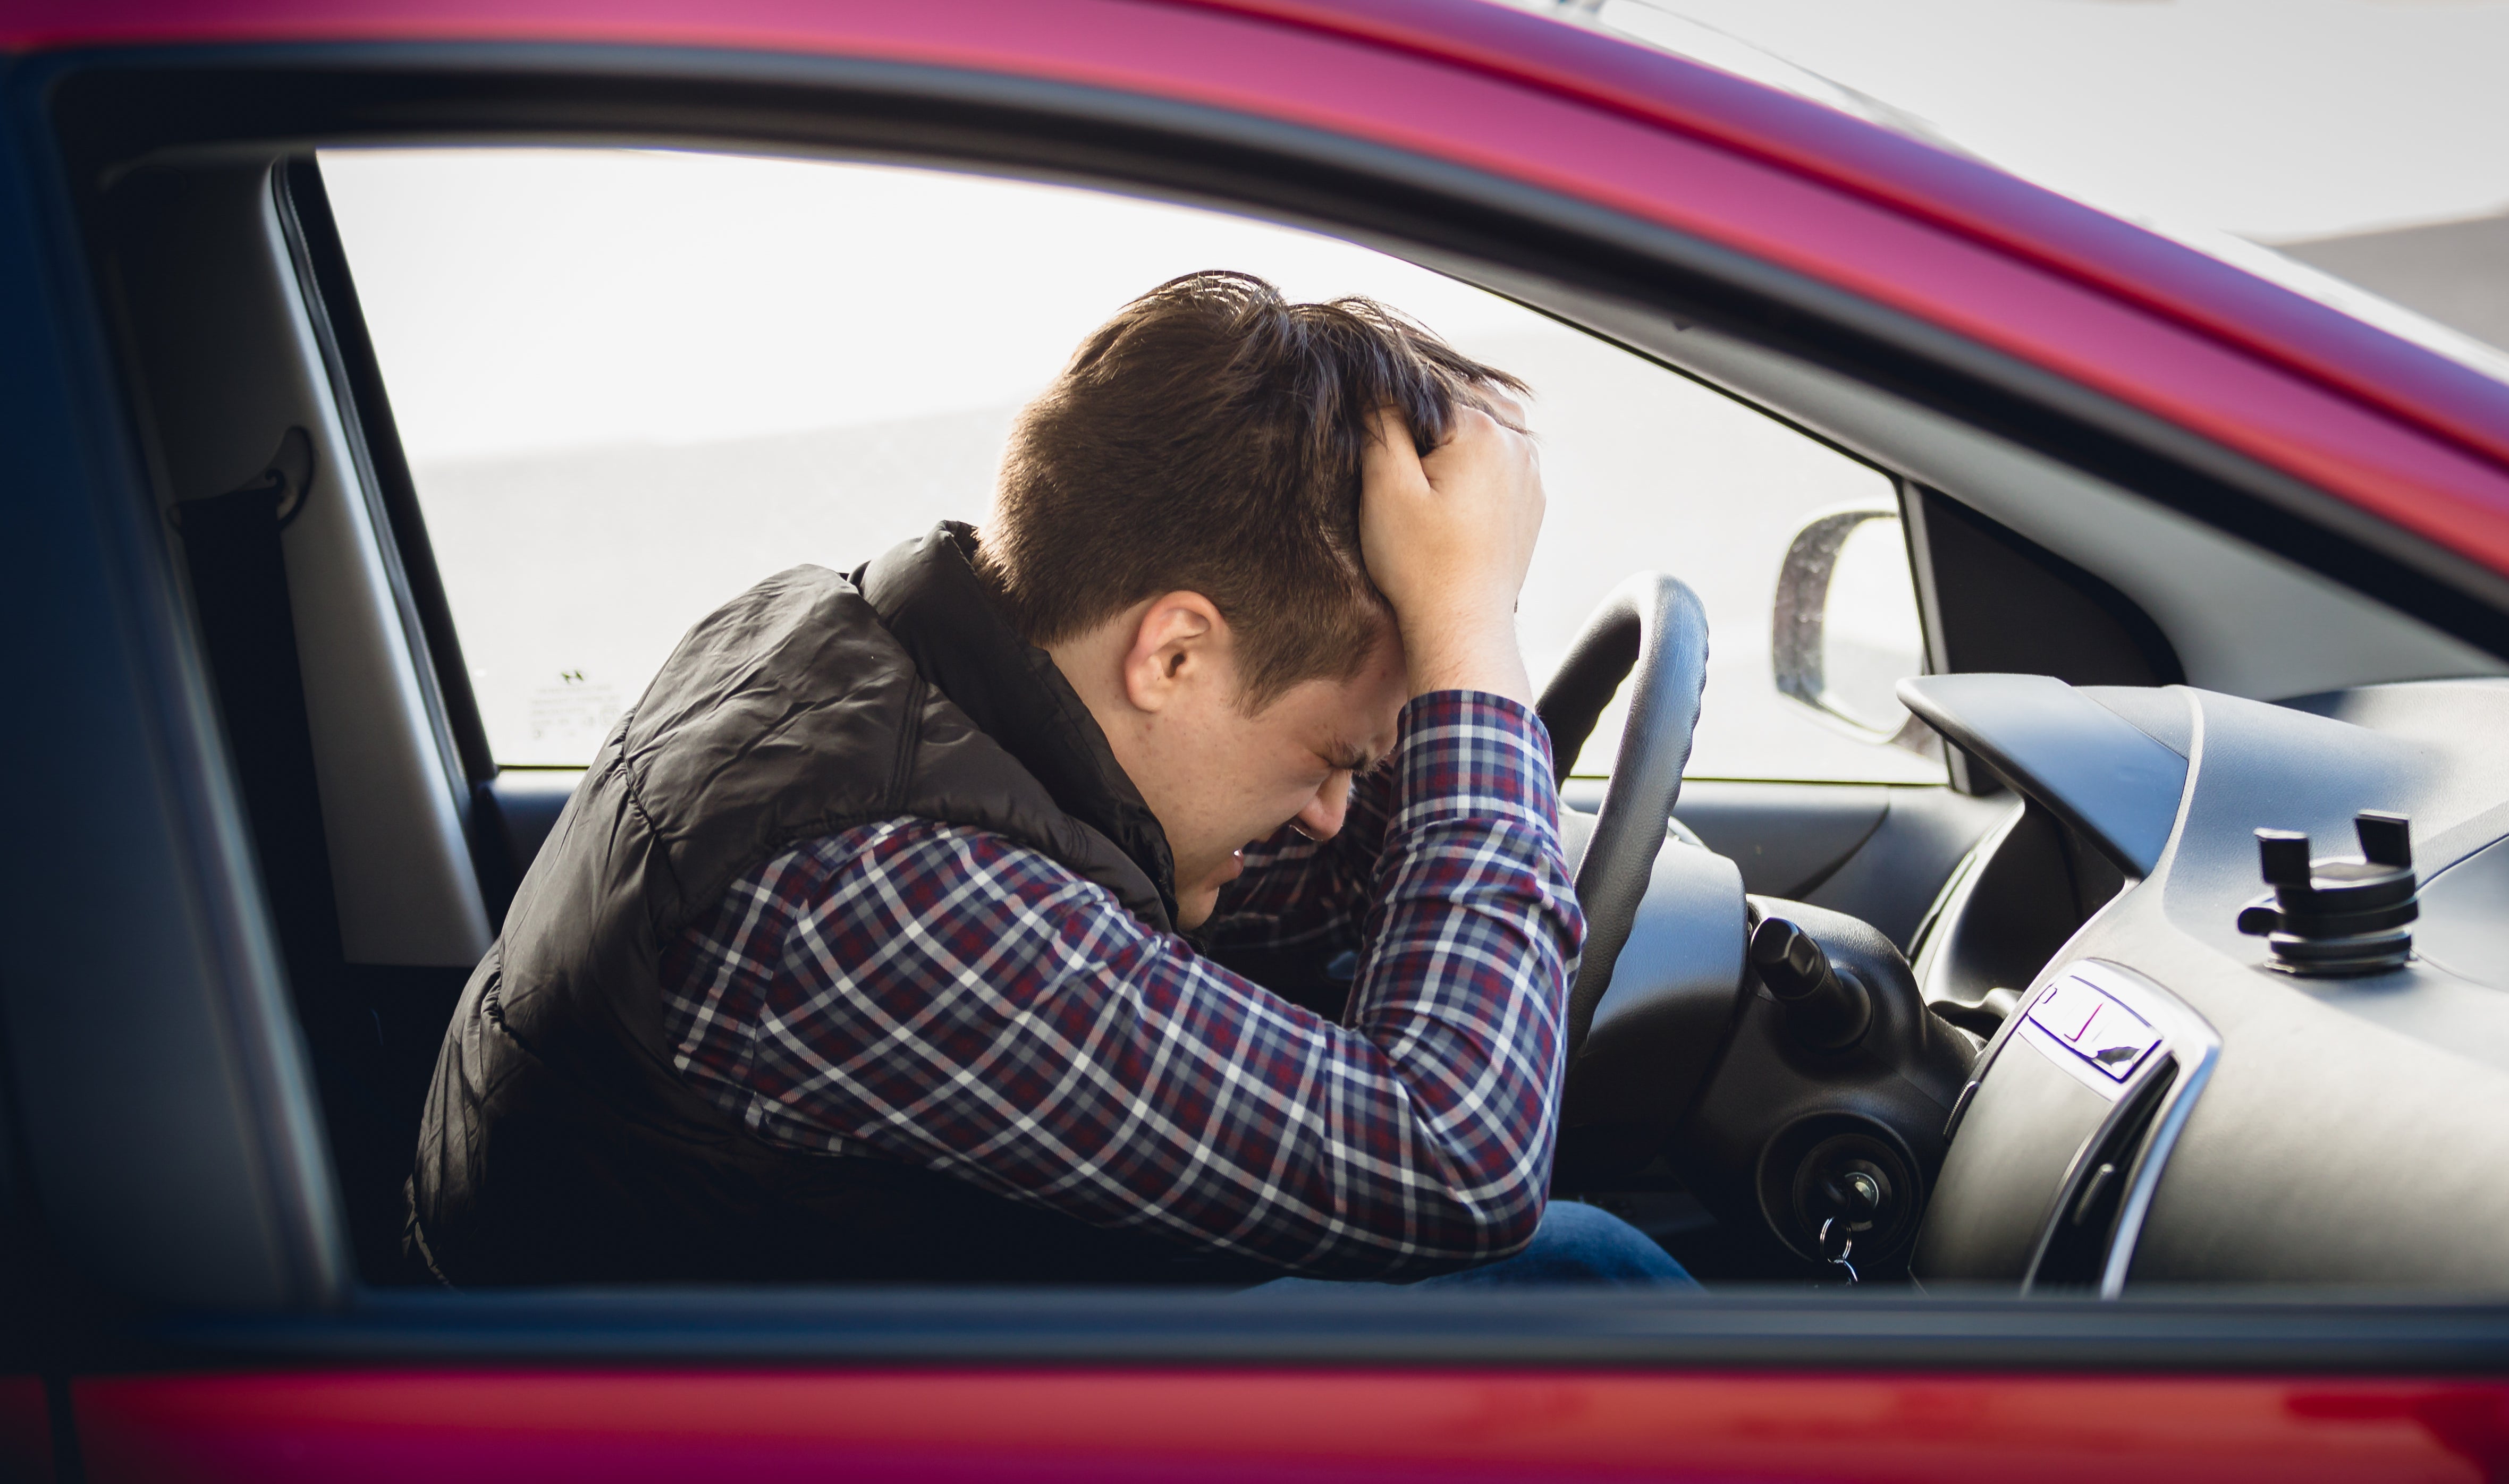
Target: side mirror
x: 1845, y: 629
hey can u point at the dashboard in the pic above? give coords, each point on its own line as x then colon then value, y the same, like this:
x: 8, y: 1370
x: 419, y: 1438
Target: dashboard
x: 2215, y: 1079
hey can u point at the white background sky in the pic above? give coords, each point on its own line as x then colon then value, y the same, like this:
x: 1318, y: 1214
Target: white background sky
x: 552, y: 299
x: 2274, y: 119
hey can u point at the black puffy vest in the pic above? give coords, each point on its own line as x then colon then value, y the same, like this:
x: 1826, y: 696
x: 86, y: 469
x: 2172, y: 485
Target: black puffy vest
x: 560, y: 1145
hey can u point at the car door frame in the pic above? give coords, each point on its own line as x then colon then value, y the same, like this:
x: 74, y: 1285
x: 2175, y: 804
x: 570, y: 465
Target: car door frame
x: 269, y: 1298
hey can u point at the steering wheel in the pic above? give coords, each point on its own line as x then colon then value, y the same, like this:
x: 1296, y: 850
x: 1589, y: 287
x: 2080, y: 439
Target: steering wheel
x: 1653, y: 631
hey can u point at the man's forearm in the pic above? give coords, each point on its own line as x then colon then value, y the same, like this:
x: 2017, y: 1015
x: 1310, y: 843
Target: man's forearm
x: 1427, y: 1137
x: 1031, y: 1036
x: 1476, y: 933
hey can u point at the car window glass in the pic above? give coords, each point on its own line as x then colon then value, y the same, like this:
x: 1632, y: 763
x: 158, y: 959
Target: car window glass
x: 630, y: 384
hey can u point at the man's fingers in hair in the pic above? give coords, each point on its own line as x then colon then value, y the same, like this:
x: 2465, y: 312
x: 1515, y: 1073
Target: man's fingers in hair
x: 1497, y: 401
x: 1506, y: 411
x: 1500, y: 425
x: 1390, y: 452
x: 1484, y: 439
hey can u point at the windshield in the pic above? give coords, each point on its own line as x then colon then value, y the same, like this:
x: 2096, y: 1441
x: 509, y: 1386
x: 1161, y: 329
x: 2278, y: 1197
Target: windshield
x: 2199, y: 123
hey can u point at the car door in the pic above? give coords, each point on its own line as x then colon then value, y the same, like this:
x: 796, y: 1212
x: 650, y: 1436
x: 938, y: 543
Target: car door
x: 207, y: 1088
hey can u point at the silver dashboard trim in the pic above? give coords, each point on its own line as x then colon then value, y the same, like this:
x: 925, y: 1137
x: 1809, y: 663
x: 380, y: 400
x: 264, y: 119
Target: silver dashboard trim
x: 2197, y: 1048
x: 2170, y: 1076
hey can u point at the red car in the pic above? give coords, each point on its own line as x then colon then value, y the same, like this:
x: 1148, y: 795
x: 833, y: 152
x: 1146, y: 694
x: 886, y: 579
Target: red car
x: 2152, y: 1142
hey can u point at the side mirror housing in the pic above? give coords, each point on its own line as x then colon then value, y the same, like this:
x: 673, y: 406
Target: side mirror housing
x: 1845, y: 630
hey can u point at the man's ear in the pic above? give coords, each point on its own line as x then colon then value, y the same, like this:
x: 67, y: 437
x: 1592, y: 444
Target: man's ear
x: 1181, y: 642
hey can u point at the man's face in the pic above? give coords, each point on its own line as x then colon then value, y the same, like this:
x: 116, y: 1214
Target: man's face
x: 1161, y: 680
x: 1223, y: 779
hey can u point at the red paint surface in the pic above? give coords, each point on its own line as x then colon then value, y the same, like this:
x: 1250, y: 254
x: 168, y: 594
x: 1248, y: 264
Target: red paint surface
x: 25, y: 1428
x: 2381, y: 425
x: 623, y: 1428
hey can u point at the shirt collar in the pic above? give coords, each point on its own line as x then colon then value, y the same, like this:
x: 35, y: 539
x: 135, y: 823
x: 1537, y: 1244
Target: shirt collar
x: 946, y: 618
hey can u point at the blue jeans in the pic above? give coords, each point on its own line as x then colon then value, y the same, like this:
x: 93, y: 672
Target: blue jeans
x: 1576, y: 1244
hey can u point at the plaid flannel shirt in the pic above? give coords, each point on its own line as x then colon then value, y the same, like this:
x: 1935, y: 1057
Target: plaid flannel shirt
x: 939, y: 995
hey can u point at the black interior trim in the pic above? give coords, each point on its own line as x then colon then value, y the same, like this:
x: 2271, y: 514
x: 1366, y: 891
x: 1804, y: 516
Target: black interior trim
x: 231, y: 544
x: 2006, y: 605
x: 307, y: 205
x: 525, y: 803
x: 993, y: 1325
x: 1608, y: 1329
x: 115, y: 108
x: 151, y: 781
x: 418, y: 584
x: 2107, y: 780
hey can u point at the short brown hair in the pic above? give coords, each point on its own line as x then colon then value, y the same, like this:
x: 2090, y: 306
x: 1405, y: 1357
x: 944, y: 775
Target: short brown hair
x: 1207, y: 438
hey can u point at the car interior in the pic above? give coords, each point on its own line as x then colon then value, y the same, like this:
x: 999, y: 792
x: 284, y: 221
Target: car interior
x: 2056, y: 1022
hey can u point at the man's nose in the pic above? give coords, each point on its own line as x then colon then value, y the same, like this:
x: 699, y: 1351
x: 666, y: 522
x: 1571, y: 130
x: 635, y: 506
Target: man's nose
x: 1321, y: 820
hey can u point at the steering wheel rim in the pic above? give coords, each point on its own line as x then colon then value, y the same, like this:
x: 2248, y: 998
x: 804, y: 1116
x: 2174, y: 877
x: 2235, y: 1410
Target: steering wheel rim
x: 1651, y: 630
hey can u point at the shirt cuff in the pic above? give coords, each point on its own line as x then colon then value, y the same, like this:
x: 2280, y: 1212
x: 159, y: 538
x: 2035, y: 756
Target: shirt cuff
x: 1472, y: 753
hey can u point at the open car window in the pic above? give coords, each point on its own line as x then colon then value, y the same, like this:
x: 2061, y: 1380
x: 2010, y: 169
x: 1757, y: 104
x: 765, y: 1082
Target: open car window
x: 631, y: 384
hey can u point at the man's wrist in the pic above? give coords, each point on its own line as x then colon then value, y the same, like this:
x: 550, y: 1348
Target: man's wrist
x: 1485, y: 659
x: 1472, y: 753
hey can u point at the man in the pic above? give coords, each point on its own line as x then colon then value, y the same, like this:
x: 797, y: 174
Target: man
x: 861, y: 951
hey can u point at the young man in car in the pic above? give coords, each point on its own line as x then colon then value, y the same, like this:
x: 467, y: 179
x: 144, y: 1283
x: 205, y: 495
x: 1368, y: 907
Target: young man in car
x: 884, y: 939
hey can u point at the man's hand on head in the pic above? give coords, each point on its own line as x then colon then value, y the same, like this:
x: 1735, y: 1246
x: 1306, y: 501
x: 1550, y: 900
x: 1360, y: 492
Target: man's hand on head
x: 1447, y: 539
